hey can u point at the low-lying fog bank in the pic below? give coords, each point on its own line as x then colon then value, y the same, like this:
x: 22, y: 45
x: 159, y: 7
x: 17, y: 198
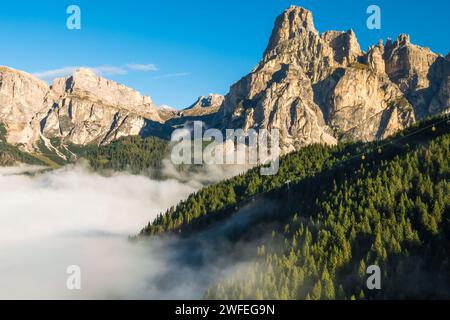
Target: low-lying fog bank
x: 73, y: 216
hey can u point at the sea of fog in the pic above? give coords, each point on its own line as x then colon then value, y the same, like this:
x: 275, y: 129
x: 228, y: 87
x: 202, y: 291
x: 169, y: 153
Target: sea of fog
x: 75, y: 217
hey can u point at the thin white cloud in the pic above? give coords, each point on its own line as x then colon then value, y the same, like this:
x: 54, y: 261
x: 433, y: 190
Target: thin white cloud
x: 109, y: 71
x: 142, y: 67
x: 172, y: 75
x: 105, y: 70
x: 56, y: 73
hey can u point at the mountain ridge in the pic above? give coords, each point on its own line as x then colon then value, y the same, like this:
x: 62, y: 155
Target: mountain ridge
x: 321, y: 88
x: 313, y: 87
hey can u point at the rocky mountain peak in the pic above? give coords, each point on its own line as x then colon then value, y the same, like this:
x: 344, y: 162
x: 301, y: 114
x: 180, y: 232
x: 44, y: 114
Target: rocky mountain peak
x: 82, y: 108
x: 84, y: 72
x: 212, y: 100
x: 403, y: 40
x: 344, y: 44
x: 323, y: 88
x: 13, y: 73
x: 416, y: 70
x: 295, y: 40
x: 86, y: 84
x: 165, y: 107
x: 292, y: 23
x: 204, y: 106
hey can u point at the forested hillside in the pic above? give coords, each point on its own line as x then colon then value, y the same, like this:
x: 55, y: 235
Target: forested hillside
x: 337, y: 211
x: 134, y: 154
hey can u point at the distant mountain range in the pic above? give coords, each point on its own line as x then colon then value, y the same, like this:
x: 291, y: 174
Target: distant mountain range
x: 314, y: 88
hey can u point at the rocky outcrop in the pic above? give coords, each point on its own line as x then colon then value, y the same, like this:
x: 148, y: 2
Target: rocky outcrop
x: 22, y: 97
x: 91, y: 109
x: 441, y: 100
x: 345, y: 46
x: 417, y: 71
x: 204, y: 109
x: 367, y: 106
x: 279, y: 92
x: 204, y: 105
x: 375, y: 58
x: 321, y: 88
x: 85, y: 84
x: 167, y: 112
x: 80, y: 109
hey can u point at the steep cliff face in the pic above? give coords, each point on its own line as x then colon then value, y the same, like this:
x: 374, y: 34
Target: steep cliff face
x: 441, y: 100
x: 91, y: 109
x: 321, y: 88
x: 417, y: 71
x: 22, y: 97
x: 365, y: 106
x: 204, y: 105
x: 279, y: 92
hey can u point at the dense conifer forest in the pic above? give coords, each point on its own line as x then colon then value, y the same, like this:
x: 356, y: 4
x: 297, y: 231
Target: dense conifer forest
x: 336, y: 211
x: 133, y: 154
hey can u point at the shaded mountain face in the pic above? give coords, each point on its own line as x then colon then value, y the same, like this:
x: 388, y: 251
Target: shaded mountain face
x: 314, y: 87
x: 321, y: 88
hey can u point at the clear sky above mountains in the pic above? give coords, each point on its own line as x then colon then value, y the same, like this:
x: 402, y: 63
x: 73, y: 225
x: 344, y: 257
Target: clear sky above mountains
x: 175, y: 51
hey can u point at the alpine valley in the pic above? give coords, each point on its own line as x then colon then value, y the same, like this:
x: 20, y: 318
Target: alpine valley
x: 364, y: 173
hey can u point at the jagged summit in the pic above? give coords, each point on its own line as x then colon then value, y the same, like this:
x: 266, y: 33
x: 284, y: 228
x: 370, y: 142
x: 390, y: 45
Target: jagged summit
x: 212, y: 100
x: 85, y: 82
x: 5, y: 70
x: 345, y: 46
x: 322, y: 88
x: 291, y: 24
x: 84, y: 72
x: 165, y: 107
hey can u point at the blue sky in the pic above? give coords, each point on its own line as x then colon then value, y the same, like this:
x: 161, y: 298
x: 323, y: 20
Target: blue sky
x: 175, y: 51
